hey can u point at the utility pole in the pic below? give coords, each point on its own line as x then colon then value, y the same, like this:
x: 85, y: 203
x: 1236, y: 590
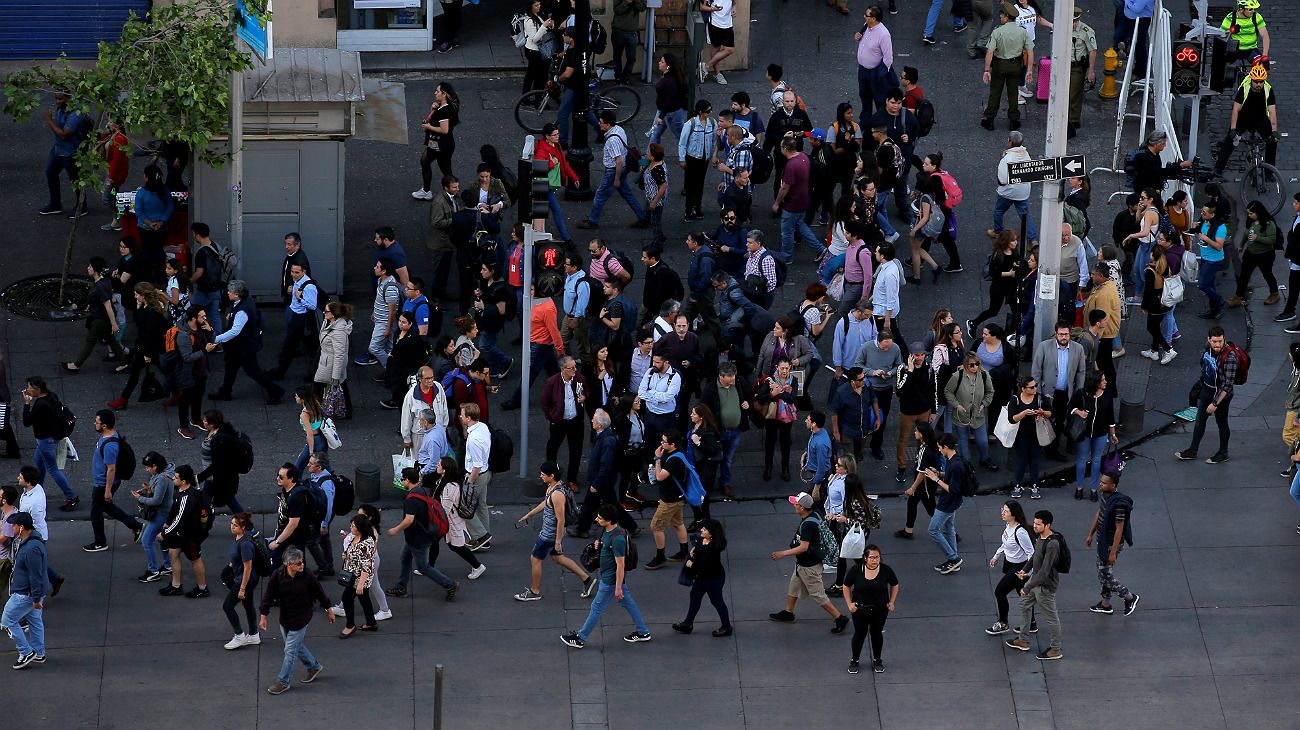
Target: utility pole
x: 579, y: 152
x: 237, y: 160
x: 531, y: 239
x: 1049, y: 236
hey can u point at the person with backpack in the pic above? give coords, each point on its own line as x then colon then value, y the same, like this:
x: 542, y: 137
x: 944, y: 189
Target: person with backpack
x: 1223, y: 365
x: 297, y: 518
x: 154, y: 503
x: 423, y: 522
x: 113, y: 462
x: 557, y: 507
x: 70, y: 129
x: 243, y: 574
x: 321, y: 484
x: 186, y: 366
x: 1016, y: 549
x: 206, y: 282
x: 1113, y: 528
x: 953, y: 484
x: 970, y: 393
x: 1038, y: 596
x: 242, y: 340
x: 49, y: 421
x: 617, y: 555
x: 809, y: 548
x: 225, y: 454
x: 618, y: 174
x: 445, y: 481
x: 670, y: 473
x: 186, y: 529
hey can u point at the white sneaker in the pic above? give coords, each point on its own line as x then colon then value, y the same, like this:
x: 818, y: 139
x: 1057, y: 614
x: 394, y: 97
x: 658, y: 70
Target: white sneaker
x: 1025, y: 93
x: 383, y: 615
x: 892, y: 238
x: 417, y: 571
x: 338, y: 611
x: 1150, y: 355
x: 422, y: 195
x: 252, y: 639
x: 235, y: 642
x: 1023, y: 100
x: 703, y: 72
x: 1168, y: 357
x: 720, y: 78
x: 475, y: 573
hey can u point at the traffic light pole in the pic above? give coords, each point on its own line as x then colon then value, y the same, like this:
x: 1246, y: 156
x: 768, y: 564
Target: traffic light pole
x: 1049, y: 237
x: 531, y: 239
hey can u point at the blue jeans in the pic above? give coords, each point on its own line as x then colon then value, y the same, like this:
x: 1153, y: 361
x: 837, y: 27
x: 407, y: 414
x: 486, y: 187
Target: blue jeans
x: 932, y: 18
x: 566, y: 116
x: 319, y: 445
x: 981, y: 442
x: 557, y: 213
x: 295, y: 648
x: 882, y: 212
x: 792, y: 224
x: 601, y: 602
x: 1295, y: 487
x: 672, y: 120
x: 607, y: 190
x: 1140, y: 261
x: 420, y: 557
x: 497, y: 358
x: 20, y: 607
x: 943, y: 530
x: 1206, y: 283
x: 730, y: 442
x: 1000, y: 209
x: 1168, y: 326
x: 46, y: 461
x: 1090, y: 449
x: 149, y: 541
x: 211, y: 303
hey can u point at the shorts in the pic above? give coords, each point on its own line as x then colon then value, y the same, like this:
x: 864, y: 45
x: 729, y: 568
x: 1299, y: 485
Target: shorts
x: 189, y: 548
x: 807, y: 581
x: 722, y: 37
x: 667, y: 514
x: 544, y: 548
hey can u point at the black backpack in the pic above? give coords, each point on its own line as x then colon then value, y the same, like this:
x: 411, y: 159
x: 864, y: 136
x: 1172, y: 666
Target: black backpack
x: 68, y: 420
x: 500, y: 452
x: 1062, y: 557
x: 971, y: 486
x: 345, y: 495
x: 623, y: 260
x: 262, y: 558
x: 599, y: 38
x: 244, y: 445
x: 924, y: 117
x: 317, y: 503
x: 125, y: 458
x: 203, y: 516
x: 761, y: 171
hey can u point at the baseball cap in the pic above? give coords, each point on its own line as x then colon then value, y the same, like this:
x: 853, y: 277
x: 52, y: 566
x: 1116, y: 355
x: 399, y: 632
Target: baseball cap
x: 818, y: 134
x: 803, y: 499
x: 916, y: 348
x: 22, y: 519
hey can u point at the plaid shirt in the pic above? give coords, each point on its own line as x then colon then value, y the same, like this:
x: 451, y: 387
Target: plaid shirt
x: 762, y: 263
x: 1219, y: 372
x: 739, y: 157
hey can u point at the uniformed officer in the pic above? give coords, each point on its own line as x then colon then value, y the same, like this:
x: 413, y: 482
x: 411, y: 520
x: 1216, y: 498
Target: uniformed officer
x: 1009, y: 52
x: 1083, y: 58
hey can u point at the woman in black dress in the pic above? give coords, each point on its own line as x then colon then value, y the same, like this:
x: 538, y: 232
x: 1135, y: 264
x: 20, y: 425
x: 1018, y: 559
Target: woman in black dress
x: 870, y: 590
x: 703, y: 567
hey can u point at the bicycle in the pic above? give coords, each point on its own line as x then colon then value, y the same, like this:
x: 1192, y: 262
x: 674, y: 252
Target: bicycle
x: 538, y: 107
x: 1261, y: 181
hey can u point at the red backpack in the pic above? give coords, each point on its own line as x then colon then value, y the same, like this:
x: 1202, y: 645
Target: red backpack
x: 951, y: 190
x: 437, y: 527
x: 1243, y: 362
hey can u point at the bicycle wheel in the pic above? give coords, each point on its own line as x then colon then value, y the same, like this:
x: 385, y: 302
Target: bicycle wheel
x: 622, y: 100
x: 534, y: 110
x: 1263, y: 182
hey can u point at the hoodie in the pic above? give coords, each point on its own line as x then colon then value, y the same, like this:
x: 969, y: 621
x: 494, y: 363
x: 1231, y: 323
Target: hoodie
x: 162, y: 488
x: 30, y: 569
x: 1006, y: 190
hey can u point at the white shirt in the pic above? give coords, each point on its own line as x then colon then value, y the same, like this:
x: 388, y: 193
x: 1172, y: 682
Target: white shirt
x: 659, y: 391
x: 720, y: 18
x: 1028, y: 19
x: 478, y: 442
x: 1017, y: 545
x: 32, y: 501
x: 570, y: 399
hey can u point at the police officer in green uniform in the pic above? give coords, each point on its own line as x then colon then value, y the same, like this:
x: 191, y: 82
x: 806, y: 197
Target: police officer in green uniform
x: 1083, y: 58
x: 1009, y: 52
x: 1254, y: 109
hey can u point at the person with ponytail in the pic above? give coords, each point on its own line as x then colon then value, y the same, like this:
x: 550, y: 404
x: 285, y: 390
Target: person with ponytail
x: 151, y: 323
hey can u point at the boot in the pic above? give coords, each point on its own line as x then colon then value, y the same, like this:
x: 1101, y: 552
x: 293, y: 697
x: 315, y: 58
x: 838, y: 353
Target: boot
x: 176, y: 398
x: 1272, y: 298
x: 117, y: 403
x: 1234, y: 301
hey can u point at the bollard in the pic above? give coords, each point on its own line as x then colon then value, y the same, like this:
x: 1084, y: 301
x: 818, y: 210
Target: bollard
x: 1110, y: 68
x: 1131, y: 416
x: 367, y: 483
x: 437, y: 697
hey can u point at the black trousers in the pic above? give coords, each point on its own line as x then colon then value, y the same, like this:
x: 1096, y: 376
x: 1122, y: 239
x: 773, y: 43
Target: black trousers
x: 446, y: 148
x: 884, y: 399
x: 592, y: 501
x: 99, y: 508
x: 572, y: 430
x: 921, y: 496
x: 535, y: 75
x: 190, y: 409
x: 869, y: 620
x: 1263, y: 262
x: 693, y: 183
x: 1292, y: 290
x: 321, y: 552
x: 137, y: 366
x: 350, y: 599
x: 774, y: 431
x: 1010, y: 582
x: 250, y: 611
x: 1060, y: 399
x: 998, y: 295
x: 300, y: 331
x: 1158, y: 343
x: 245, y: 358
x: 1106, y: 360
x: 464, y: 552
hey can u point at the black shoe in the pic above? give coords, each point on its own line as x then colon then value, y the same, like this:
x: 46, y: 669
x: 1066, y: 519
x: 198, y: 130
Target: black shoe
x: 656, y: 563
x: 1092, y: 495
x: 904, y: 535
x: 1014, y: 126
x: 396, y: 592
x: 683, y: 628
x: 1078, y: 493
x: 782, y: 616
x: 587, y: 225
x: 853, y: 666
x: 928, y: 40
x: 877, y: 666
x: 94, y: 547
x: 989, y: 465
x: 953, y: 269
x: 785, y: 473
x: 694, y: 526
x: 901, y: 476
x: 197, y: 592
x: 678, y: 557
x: 1070, y: 132
x: 840, y: 624
x: 721, y: 632
x: 641, y: 223
x: 1284, y: 317
x: 69, y: 504
x: 935, y: 274
x: 1185, y: 455
x: 987, y: 124
x: 510, y: 406
x: 56, y: 584
x: 324, y: 573
x: 1217, y: 459
x: 451, y: 592
x: 171, y: 590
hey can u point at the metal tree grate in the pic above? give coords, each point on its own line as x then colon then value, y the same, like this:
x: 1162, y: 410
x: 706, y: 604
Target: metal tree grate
x: 37, y: 298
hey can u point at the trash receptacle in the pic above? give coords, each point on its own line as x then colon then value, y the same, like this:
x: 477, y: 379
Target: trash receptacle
x: 367, y: 483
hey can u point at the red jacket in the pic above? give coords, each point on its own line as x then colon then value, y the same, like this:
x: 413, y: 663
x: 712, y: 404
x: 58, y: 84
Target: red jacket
x: 553, y: 397
x: 546, y: 151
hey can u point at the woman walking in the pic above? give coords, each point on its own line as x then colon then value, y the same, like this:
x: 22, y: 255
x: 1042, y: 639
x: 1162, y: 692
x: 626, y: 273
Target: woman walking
x: 870, y: 591
x: 151, y: 322
x: 1024, y: 410
x: 932, y: 168
x: 1016, y: 549
x: 1153, y: 278
x: 189, y: 374
x: 439, y: 137
x: 332, y: 368
x: 845, y: 138
x: 535, y: 32
x: 670, y: 99
x: 101, y: 320
x: 703, y: 567
x: 153, y: 213
x: 154, y: 498
x: 923, y: 491
x: 945, y: 360
x: 1148, y: 219
x: 310, y: 418
x: 1096, y: 407
x: 1261, y: 241
x: 410, y: 351
x: 777, y: 395
x: 1003, y: 270
x: 970, y: 393
x: 558, y: 173
x: 359, y: 561
x: 856, y: 510
x: 448, y: 492
x: 695, y: 148
x: 704, y: 452
x: 242, y: 585
x: 916, y: 401
x: 926, y: 226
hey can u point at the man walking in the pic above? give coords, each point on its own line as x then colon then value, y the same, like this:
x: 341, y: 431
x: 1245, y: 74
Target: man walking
x: 854, y: 412
x: 602, y: 478
x: 206, y: 274
x: 550, y: 539
x: 1009, y: 53
x: 1112, y: 528
x: 1039, y: 593
x: 419, y: 530
x: 1012, y: 194
x: 670, y: 478
x: 478, y: 445
x: 69, y: 129
x: 1218, y: 371
x: 293, y: 254
x: 613, y: 570
x: 819, y: 449
x: 1059, y: 364
x: 880, y: 363
x: 43, y: 412
x: 294, y: 589
x: 806, y: 580
x: 299, y: 322
x: 726, y: 398
x: 885, y: 301
x: 616, y: 176
x: 28, y: 588
x: 388, y: 298
x: 242, y: 341
x: 793, y: 201
x: 563, y: 399
x: 943, y: 525
x: 658, y: 391
x: 106, y: 478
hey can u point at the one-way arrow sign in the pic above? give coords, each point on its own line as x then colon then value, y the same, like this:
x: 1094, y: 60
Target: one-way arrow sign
x: 1071, y: 165
x: 1051, y: 168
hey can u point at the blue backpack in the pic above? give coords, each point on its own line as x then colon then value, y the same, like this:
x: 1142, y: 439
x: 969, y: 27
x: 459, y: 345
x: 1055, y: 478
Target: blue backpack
x: 694, y: 488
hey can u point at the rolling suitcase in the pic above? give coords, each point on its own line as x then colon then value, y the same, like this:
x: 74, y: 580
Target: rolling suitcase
x: 1044, y: 79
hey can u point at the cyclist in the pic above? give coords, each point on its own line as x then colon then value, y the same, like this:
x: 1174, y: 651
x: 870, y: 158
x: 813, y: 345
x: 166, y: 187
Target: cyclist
x: 1246, y: 26
x: 1254, y: 109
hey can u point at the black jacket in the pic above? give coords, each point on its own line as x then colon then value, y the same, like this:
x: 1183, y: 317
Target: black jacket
x: 661, y: 284
x: 1150, y: 172
x: 602, y: 463
x: 45, y: 417
x: 224, y: 470
x: 1293, y: 245
x: 295, y: 596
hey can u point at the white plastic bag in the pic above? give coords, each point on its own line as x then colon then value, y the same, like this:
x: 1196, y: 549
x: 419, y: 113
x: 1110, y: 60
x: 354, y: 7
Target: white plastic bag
x: 1005, y: 430
x: 854, y: 544
x: 331, y: 434
x: 400, y: 462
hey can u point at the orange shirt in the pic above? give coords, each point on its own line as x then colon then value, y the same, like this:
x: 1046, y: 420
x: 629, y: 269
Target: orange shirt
x: 545, y: 325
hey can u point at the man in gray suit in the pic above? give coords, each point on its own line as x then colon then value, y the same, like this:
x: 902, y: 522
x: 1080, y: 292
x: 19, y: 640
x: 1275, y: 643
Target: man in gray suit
x: 1059, y: 365
x: 443, y: 251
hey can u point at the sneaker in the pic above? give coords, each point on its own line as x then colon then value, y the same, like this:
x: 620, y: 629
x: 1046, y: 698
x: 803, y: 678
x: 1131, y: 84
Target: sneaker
x: 637, y: 637
x: 138, y: 533
x: 960, y: 28
x: 840, y: 624
x: 252, y: 639
x: 782, y: 616
x: 589, y: 588
x: 1284, y: 317
x: 1034, y: 493
x: 171, y: 590
x: 1025, y: 93
x: 39, y: 659
x: 166, y: 570
x: 703, y: 72
x: 1185, y: 455
x: 483, y: 543
x: 111, y: 227
x: 312, y: 674
x: 1217, y: 459
x: 1131, y: 604
x: 94, y: 547
x: 1117, y: 354
x: 1150, y: 355
x: 451, y: 592
x: 197, y: 592
x: 1050, y: 654
x: 877, y: 666
x: 953, y: 566
x: 1168, y: 357
x: 1100, y: 607
x: 69, y: 504
x: 893, y: 8
x: 891, y: 238
x: 720, y: 78
x: 365, y: 360
x: 1017, y: 644
x: 572, y: 640
x: 422, y: 195
x: 997, y: 628
x: 1033, y: 628
x: 185, y: 433
x: 396, y: 592
x: 853, y: 666
x: 475, y: 573
x: 1016, y: 492
x: 278, y: 689
x: 338, y: 611
x: 1293, y: 329
x: 25, y: 659
x: 235, y: 642
x: 150, y: 576
x: 383, y: 615
x: 677, y: 557
x: 953, y: 269
x: 942, y: 567
x: 528, y: 595
x: 49, y: 210
x: 928, y: 40
x: 656, y: 563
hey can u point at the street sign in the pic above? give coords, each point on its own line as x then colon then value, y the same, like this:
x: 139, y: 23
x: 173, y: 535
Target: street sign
x: 1045, y: 170
x: 254, y: 30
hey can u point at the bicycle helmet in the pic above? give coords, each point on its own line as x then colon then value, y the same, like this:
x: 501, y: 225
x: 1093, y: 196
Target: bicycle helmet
x: 1248, y: 4
x: 1258, y: 73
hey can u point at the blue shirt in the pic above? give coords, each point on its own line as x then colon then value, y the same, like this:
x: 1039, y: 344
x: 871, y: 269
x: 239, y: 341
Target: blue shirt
x: 850, y: 336
x: 819, y: 455
x: 419, y: 308
x: 1209, y: 253
x: 394, y: 253
x: 1062, y: 365
x: 853, y: 411
x: 236, y: 326
x: 884, y: 293
x: 74, y: 121
x: 325, y: 481
x: 308, y: 302
x: 105, y: 455
x: 576, y: 297
x: 152, y: 207
x: 432, y: 449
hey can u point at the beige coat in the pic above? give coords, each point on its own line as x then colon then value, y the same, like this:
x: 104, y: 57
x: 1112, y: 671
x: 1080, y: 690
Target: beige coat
x: 1105, y: 297
x: 334, y: 352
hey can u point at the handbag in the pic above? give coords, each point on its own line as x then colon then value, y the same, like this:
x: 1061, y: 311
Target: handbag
x: 331, y: 433
x: 684, y: 578
x: 589, y: 559
x: 1075, y: 427
x: 335, y: 402
x: 145, y: 513
x: 1112, y: 460
x: 1046, y: 433
x: 854, y: 544
x: 347, y: 578
x: 1004, y: 430
x: 228, y: 577
x: 151, y: 389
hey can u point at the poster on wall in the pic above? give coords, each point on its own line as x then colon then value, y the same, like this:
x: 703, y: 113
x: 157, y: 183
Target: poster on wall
x: 254, y: 31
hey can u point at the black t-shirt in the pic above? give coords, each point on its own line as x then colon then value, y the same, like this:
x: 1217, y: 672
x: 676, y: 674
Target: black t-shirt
x: 294, y: 504
x: 1254, y: 110
x: 670, y: 488
x: 206, y: 258
x: 810, y: 532
x: 128, y: 265
x: 418, y: 533
x: 573, y: 60
x: 498, y: 292
x: 872, y: 592
x: 99, y: 292
x: 449, y: 113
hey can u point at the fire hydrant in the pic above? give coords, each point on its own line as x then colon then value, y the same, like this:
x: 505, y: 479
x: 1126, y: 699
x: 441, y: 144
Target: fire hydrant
x: 1110, y: 67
